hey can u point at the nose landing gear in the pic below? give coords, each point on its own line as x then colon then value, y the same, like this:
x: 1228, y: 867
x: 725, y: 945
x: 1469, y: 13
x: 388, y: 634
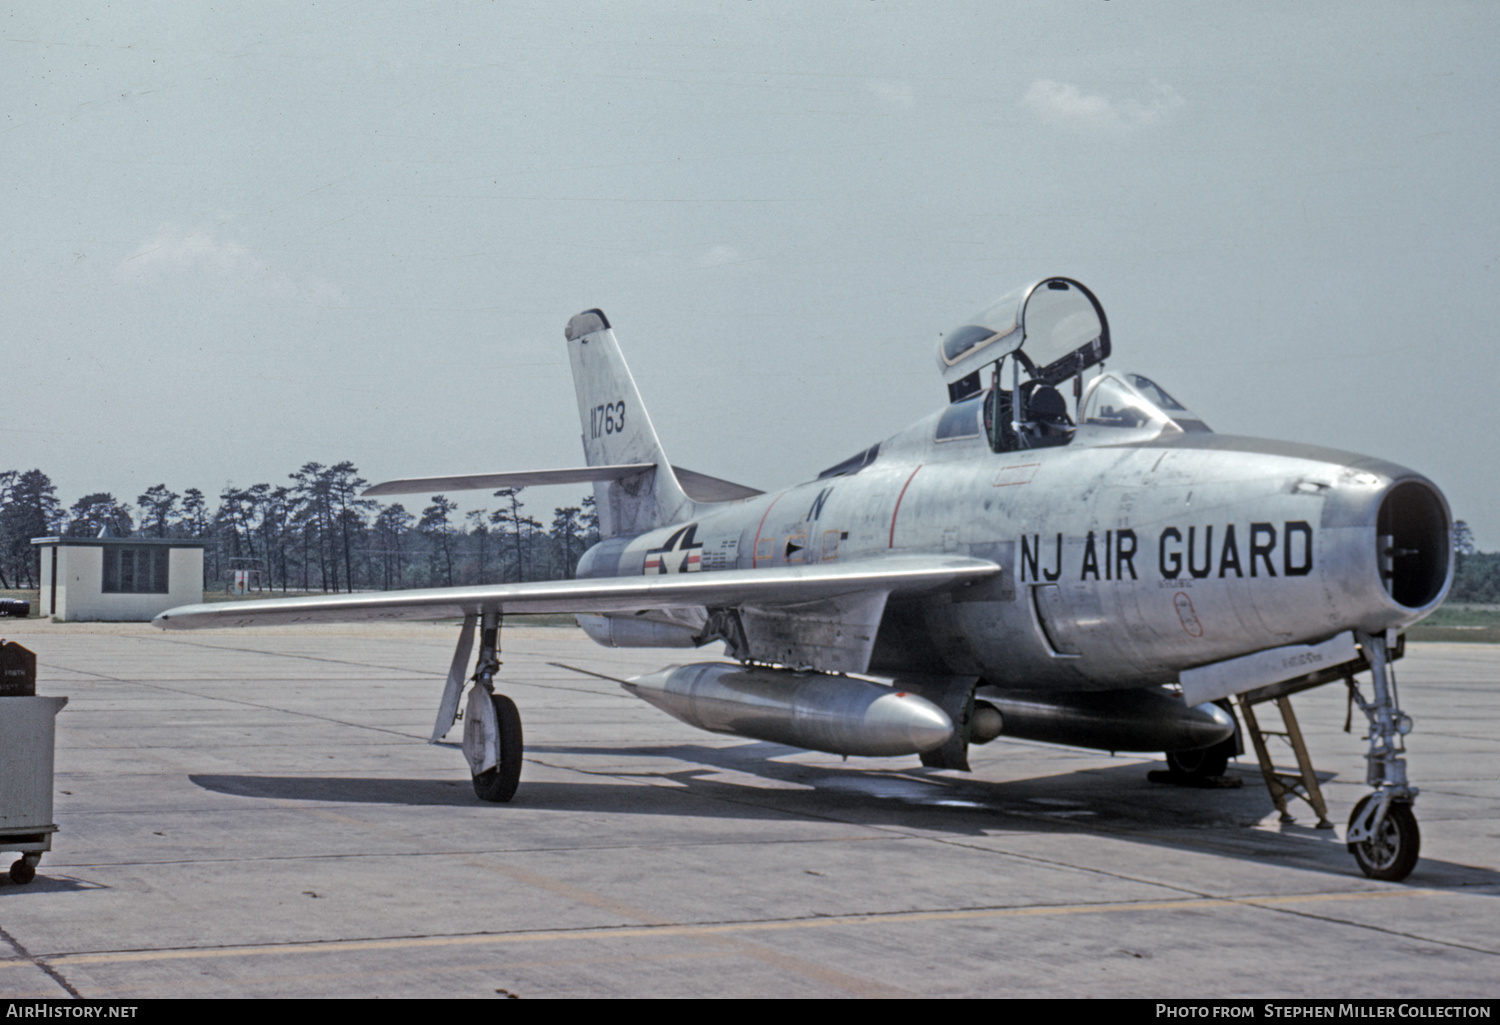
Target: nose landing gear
x: 1383, y: 834
x: 1390, y: 850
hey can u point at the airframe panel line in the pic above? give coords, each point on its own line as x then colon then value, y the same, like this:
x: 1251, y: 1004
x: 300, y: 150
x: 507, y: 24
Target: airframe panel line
x: 643, y: 932
x: 755, y: 548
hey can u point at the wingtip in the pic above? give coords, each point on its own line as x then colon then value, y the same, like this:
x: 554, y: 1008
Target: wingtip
x: 182, y: 617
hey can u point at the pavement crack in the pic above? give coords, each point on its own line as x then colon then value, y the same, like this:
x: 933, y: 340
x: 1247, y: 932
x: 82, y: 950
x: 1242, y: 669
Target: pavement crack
x: 1332, y: 920
x: 51, y: 973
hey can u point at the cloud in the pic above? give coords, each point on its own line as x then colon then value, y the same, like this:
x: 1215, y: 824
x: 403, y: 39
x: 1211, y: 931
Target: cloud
x: 893, y: 93
x: 1070, y: 107
x: 195, y: 255
x: 173, y: 251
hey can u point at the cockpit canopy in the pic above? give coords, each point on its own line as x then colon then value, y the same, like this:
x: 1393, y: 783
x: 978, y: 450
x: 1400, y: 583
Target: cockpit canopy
x: 1055, y: 327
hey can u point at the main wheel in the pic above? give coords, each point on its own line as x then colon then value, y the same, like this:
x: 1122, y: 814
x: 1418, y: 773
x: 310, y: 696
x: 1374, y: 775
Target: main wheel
x: 1391, y: 853
x: 22, y: 872
x: 499, y: 784
x: 1202, y: 763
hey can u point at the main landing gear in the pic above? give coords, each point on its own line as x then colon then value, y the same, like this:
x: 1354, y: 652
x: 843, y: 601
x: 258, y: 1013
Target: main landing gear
x: 492, y: 742
x: 1203, y: 764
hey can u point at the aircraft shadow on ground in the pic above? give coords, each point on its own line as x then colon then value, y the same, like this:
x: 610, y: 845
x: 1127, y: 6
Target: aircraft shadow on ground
x: 44, y: 883
x: 1116, y: 801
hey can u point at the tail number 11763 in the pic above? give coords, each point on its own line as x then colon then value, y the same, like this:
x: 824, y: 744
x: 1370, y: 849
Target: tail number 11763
x: 608, y: 418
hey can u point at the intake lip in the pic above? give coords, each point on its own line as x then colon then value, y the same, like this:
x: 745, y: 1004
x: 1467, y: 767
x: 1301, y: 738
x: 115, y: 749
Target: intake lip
x: 1414, y: 544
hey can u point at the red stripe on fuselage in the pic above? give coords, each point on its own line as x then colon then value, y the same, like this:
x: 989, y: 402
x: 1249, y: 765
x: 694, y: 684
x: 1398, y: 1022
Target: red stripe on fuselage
x: 897, y: 510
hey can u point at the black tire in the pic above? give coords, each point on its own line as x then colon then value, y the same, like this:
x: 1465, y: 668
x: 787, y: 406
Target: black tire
x: 1392, y: 853
x: 499, y: 784
x: 1203, y: 762
x: 22, y: 873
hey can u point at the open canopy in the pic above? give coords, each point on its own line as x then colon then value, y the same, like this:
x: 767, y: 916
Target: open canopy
x: 1056, y: 325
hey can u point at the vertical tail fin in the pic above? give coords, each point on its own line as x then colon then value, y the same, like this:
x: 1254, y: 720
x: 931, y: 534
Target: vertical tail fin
x: 617, y: 430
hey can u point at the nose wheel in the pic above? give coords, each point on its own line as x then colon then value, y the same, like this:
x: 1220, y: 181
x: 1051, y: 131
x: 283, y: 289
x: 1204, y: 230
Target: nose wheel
x: 1390, y: 851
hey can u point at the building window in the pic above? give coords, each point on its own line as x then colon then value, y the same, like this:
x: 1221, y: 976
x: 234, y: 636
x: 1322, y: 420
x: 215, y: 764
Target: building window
x: 135, y: 570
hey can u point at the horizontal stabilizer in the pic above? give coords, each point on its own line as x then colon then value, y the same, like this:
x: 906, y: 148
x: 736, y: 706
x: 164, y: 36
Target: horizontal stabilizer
x: 899, y: 575
x: 700, y: 487
x: 523, y: 479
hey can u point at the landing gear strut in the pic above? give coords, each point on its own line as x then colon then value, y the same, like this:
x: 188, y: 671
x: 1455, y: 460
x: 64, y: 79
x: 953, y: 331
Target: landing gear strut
x: 492, y: 741
x: 1383, y: 834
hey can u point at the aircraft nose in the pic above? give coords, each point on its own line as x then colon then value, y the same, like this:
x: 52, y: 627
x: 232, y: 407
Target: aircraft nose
x: 1389, y: 536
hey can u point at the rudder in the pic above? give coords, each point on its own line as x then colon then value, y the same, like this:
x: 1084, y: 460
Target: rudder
x: 616, y: 431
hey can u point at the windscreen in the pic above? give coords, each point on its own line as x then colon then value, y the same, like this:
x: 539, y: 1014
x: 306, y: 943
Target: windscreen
x: 1111, y: 402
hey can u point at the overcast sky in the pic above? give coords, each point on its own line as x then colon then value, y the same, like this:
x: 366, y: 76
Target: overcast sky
x: 243, y: 237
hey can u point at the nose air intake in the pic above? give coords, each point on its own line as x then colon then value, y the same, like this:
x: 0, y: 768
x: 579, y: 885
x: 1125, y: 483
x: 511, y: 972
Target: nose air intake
x: 1414, y: 544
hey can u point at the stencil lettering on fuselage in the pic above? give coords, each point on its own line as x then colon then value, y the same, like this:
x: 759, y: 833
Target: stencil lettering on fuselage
x: 816, y: 509
x: 721, y: 554
x: 1216, y: 551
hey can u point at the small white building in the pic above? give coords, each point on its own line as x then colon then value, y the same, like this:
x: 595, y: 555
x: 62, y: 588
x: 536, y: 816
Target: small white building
x: 118, y: 578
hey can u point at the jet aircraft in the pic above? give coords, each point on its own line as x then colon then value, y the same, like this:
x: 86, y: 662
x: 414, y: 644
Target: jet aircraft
x: 1003, y: 567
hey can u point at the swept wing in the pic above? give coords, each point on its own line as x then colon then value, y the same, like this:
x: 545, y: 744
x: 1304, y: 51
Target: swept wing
x: 776, y: 587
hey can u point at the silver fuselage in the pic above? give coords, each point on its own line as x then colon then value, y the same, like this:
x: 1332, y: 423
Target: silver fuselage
x: 1127, y: 555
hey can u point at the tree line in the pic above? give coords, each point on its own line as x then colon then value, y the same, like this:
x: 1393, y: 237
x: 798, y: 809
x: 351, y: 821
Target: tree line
x: 1476, y: 574
x: 313, y: 533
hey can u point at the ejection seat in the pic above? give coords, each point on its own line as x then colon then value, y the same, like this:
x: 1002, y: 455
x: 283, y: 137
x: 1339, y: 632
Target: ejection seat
x: 1047, y: 420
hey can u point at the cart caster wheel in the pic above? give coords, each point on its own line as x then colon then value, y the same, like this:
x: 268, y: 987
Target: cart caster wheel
x: 1391, y: 854
x: 499, y: 784
x: 22, y: 872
